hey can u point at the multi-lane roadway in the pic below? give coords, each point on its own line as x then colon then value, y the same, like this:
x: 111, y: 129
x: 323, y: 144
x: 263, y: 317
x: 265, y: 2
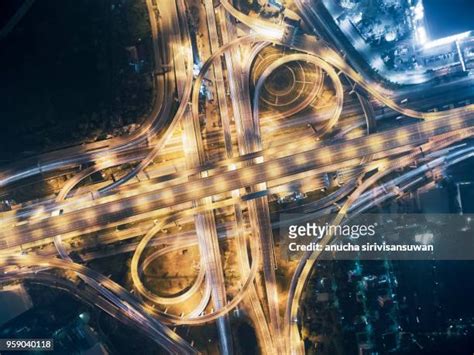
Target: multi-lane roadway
x: 227, y: 196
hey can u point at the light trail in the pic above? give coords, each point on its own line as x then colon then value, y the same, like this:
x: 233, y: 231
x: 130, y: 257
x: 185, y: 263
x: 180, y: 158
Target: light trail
x: 129, y: 203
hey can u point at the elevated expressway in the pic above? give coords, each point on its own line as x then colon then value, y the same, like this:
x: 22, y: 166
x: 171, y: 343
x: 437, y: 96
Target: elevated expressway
x: 106, y: 210
x: 255, y: 169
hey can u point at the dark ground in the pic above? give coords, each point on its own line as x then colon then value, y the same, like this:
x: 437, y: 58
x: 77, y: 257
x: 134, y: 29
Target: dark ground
x: 7, y: 9
x: 65, y: 75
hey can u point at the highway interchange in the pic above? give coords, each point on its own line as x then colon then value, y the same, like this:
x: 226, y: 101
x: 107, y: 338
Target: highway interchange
x: 217, y: 182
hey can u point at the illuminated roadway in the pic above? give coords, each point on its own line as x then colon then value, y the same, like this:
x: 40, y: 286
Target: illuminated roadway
x: 190, y: 194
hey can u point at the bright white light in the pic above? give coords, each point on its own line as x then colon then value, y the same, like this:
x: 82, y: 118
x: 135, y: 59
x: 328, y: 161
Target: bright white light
x: 419, y: 11
x: 447, y: 40
x: 390, y: 36
x: 421, y: 34
x: 270, y: 32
